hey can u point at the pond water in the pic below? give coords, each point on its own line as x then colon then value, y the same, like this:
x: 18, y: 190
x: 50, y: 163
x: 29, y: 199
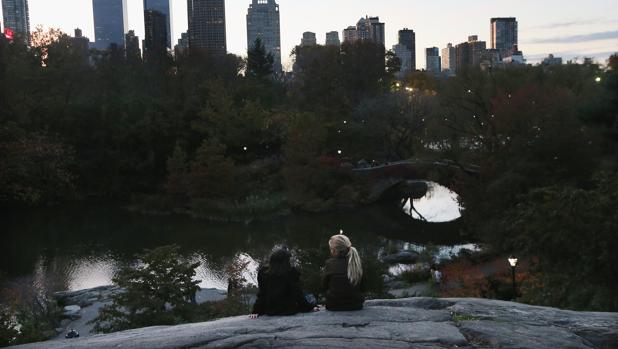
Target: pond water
x: 72, y: 248
x: 439, y: 204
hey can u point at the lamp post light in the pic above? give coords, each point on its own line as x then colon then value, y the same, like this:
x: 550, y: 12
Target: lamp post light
x: 513, y: 263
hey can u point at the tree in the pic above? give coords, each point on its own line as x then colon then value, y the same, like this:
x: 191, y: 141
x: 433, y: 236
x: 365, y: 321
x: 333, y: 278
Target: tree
x: 393, y: 63
x: 259, y: 62
x: 572, y: 232
x: 212, y: 174
x: 155, y: 291
x: 34, y: 168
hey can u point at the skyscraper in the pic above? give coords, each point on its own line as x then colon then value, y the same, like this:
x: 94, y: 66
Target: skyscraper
x: 207, y: 26
x: 469, y: 53
x: 369, y: 28
x: 155, y: 36
x: 183, y: 44
x: 79, y: 45
x: 308, y: 39
x: 332, y: 39
x: 263, y: 22
x: 449, y: 59
x: 110, y: 22
x: 16, y: 17
x: 131, y: 47
x: 504, y: 35
x: 163, y: 7
x: 405, y: 56
x: 407, y: 37
x: 377, y: 30
x: 350, y: 34
x: 432, y: 55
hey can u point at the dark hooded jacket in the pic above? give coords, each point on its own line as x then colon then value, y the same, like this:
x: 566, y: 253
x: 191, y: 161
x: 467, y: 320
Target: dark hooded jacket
x: 280, y: 294
x: 339, y: 291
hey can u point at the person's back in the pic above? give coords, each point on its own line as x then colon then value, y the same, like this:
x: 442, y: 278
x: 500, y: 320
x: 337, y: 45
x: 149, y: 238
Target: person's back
x: 341, y: 294
x: 280, y: 294
x: 279, y: 289
x: 343, y: 272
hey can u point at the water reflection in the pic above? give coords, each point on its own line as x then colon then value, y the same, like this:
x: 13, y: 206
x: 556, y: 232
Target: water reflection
x: 439, y: 204
x: 438, y: 253
x: 73, y: 248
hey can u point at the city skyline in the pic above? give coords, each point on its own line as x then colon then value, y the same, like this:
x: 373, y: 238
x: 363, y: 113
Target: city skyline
x: 569, y: 31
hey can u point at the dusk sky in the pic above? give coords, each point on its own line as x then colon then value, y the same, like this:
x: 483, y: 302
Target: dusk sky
x: 566, y: 28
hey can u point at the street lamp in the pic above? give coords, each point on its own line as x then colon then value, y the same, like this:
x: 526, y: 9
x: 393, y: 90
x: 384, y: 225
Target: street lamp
x: 513, y: 263
x: 597, y: 79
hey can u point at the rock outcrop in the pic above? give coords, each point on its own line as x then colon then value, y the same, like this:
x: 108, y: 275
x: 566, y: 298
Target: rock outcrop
x: 398, y: 323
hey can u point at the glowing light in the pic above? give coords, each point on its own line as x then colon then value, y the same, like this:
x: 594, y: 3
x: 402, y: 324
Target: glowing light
x: 345, y: 121
x: 339, y: 152
x: 9, y: 34
x: 398, y: 84
x: 244, y: 148
x: 597, y: 79
x: 512, y: 261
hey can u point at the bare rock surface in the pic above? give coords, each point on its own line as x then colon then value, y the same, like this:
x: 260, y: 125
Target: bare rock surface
x: 422, y: 323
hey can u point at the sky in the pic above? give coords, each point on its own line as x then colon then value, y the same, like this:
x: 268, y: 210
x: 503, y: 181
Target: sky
x: 566, y: 28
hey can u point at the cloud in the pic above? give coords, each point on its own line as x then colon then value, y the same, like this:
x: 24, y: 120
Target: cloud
x: 575, y: 22
x: 576, y: 38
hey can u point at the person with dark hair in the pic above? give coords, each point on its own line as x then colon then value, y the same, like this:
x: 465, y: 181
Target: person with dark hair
x: 279, y: 288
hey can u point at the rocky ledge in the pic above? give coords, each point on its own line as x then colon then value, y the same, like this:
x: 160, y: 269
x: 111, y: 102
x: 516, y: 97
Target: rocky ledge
x: 399, y: 323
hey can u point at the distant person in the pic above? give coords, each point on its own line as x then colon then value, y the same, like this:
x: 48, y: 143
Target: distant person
x: 342, y: 277
x: 279, y: 288
x: 436, y: 275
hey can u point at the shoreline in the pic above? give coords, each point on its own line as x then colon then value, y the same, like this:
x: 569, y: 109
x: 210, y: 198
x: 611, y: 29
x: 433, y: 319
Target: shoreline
x: 82, y: 306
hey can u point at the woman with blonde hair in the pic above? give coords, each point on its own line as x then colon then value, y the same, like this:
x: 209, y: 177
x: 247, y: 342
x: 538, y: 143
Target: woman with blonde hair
x: 342, y: 277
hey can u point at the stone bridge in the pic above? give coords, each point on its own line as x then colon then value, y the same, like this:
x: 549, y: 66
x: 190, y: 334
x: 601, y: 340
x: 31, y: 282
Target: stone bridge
x: 408, y: 178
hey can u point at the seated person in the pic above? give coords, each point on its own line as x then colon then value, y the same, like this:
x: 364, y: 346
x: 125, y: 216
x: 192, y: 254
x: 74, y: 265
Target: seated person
x: 279, y: 289
x: 342, y: 276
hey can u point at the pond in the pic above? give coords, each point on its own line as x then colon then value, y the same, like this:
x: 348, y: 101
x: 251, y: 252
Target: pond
x: 72, y: 248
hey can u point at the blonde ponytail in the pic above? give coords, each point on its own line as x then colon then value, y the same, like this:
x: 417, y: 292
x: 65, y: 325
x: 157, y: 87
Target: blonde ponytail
x: 355, y: 269
x: 340, y: 245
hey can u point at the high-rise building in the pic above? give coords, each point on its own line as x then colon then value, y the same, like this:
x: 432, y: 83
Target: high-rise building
x: 504, y: 35
x: 432, y: 55
x: 551, y: 60
x: 207, y: 26
x: 332, y: 39
x: 182, y: 45
x: 469, y: 53
x: 407, y: 37
x: 16, y: 17
x: 405, y: 56
x: 516, y: 57
x: 163, y: 7
x: 110, y: 22
x: 370, y: 28
x: 377, y: 30
x: 449, y: 59
x: 79, y: 44
x: 131, y: 47
x: 263, y: 22
x: 155, y: 36
x: 350, y: 34
x: 308, y: 39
